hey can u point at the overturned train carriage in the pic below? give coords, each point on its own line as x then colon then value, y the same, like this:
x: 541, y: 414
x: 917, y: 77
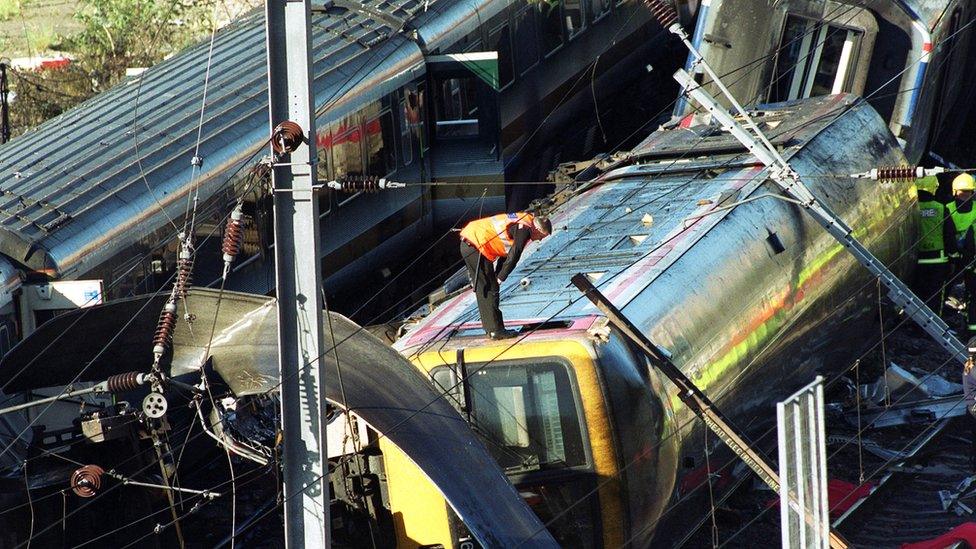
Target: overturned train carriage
x: 748, y: 294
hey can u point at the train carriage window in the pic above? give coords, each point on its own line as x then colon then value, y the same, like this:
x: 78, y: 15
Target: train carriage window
x: 457, y: 108
x: 573, y: 17
x: 552, y: 26
x: 500, y: 40
x: 598, y: 9
x: 347, y: 154
x: 406, y: 142
x: 814, y: 59
x: 380, y: 144
x: 529, y: 413
x: 527, y: 54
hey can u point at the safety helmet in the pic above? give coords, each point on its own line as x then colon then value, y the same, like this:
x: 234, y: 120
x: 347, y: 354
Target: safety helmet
x: 542, y: 224
x: 963, y: 182
x: 929, y: 184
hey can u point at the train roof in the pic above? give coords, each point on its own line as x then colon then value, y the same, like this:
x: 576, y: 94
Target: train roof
x: 74, y: 182
x: 634, y: 222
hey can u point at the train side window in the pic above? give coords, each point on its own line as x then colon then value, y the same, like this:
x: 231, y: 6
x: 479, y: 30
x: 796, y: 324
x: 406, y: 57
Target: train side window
x: 406, y: 142
x: 527, y: 54
x: 815, y: 59
x: 380, y: 145
x: 598, y: 9
x: 347, y: 154
x: 552, y: 26
x: 500, y: 40
x: 573, y: 17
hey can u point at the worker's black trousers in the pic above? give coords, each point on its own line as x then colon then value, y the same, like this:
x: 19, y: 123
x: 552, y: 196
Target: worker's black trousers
x: 930, y: 281
x: 482, y: 275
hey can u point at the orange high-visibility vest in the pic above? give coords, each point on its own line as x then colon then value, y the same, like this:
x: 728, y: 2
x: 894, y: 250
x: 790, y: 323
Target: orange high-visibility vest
x: 490, y: 234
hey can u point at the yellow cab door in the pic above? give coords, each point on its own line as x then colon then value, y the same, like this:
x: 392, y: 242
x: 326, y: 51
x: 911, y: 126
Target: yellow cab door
x: 539, y: 408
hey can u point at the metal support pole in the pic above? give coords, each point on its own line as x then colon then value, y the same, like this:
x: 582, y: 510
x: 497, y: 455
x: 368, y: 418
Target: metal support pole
x: 688, y: 392
x: 4, y: 105
x: 298, y: 277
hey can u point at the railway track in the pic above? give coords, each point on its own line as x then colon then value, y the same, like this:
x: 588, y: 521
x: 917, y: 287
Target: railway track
x: 917, y: 497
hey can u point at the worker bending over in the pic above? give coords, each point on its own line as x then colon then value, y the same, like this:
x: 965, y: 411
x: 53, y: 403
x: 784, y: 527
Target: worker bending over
x: 963, y: 218
x: 936, y: 235
x: 498, y: 238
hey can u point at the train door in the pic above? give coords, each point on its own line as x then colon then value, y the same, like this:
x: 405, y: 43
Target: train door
x: 464, y: 131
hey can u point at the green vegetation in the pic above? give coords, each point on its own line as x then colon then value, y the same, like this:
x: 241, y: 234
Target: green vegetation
x: 108, y: 37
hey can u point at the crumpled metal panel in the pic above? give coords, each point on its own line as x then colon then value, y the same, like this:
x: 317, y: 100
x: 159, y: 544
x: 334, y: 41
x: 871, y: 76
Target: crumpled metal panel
x: 380, y: 386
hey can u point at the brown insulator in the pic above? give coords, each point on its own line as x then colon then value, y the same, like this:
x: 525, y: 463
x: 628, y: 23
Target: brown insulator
x: 87, y: 480
x: 896, y: 174
x: 121, y: 383
x: 663, y: 11
x: 286, y: 137
x: 233, y: 235
x: 357, y: 183
x: 163, y: 338
x: 184, y: 276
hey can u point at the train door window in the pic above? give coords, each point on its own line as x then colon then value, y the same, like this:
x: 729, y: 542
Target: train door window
x: 552, y: 26
x: 4, y: 340
x: 529, y: 414
x: 380, y: 145
x: 406, y: 142
x: 457, y: 107
x: 598, y: 9
x: 573, y: 17
x: 815, y: 59
x: 500, y: 40
x: 527, y: 54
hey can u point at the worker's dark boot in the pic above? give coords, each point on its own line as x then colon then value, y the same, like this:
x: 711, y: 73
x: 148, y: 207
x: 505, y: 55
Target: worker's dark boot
x: 503, y: 334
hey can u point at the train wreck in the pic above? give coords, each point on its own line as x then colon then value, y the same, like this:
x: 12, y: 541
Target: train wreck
x: 688, y: 285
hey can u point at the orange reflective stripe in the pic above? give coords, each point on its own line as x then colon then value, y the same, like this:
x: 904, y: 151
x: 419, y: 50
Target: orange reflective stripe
x: 490, y: 234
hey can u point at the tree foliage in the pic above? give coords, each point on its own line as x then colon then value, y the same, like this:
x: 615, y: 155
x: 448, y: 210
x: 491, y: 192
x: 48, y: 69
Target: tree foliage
x: 116, y: 35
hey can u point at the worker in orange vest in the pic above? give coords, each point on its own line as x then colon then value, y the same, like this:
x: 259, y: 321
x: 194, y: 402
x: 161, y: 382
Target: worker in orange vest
x: 498, y: 238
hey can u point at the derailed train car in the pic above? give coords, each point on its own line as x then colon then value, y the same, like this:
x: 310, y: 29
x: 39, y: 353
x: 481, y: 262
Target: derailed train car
x: 749, y: 295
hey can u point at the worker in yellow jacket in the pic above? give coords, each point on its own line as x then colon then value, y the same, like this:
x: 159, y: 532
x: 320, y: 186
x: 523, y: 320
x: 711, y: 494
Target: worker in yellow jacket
x: 963, y: 216
x: 499, y: 238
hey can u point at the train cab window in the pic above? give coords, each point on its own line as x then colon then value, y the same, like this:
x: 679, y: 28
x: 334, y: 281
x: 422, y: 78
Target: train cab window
x: 598, y: 9
x: 457, y: 108
x: 527, y: 54
x: 552, y: 26
x: 573, y: 17
x: 380, y: 145
x: 500, y: 40
x: 528, y: 415
x: 815, y: 59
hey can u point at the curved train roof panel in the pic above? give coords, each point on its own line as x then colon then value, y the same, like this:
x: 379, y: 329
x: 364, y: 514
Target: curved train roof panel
x: 72, y: 190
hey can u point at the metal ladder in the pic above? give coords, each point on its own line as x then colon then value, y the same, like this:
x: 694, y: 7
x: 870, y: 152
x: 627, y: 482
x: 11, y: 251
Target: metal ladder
x: 789, y: 181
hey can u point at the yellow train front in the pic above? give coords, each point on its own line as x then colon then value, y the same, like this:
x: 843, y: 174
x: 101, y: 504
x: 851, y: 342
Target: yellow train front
x: 751, y: 298
x: 547, y: 418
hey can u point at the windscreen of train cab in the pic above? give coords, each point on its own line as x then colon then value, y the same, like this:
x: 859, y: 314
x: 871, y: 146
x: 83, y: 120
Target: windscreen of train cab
x: 525, y: 413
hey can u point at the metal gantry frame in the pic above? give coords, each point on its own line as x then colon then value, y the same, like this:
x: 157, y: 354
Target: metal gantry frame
x: 790, y: 182
x: 298, y: 276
